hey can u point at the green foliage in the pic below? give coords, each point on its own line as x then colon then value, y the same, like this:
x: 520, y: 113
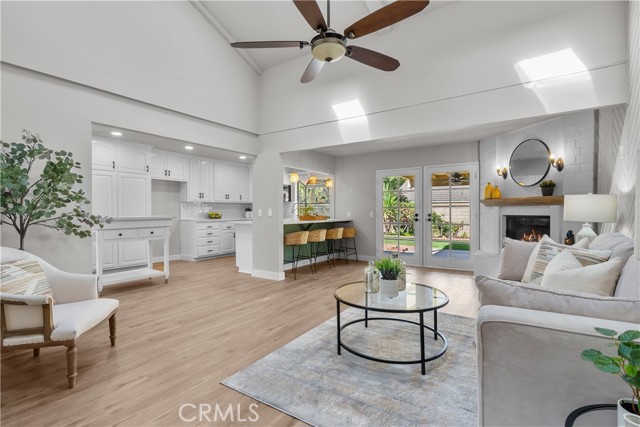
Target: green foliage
x: 548, y: 183
x: 442, y: 228
x: 390, y: 268
x: 626, y: 363
x: 52, y: 200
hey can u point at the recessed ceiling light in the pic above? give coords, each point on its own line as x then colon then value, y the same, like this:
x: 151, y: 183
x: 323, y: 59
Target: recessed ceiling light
x: 243, y: 157
x: 188, y: 147
x: 116, y: 133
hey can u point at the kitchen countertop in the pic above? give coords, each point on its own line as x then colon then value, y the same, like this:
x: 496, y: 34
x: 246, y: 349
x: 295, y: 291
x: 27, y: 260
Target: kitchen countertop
x: 294, y: 221
x: 215, y: 220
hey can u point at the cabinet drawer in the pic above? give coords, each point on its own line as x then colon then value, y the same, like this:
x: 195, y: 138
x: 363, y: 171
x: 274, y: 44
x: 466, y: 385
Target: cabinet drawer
x: 229, y: 227
x: 209, y: 241
x: 208, y: 226
x: 119, y: 234
x: 208, y: 233
x: 209, y: 250
x: 148, y: 232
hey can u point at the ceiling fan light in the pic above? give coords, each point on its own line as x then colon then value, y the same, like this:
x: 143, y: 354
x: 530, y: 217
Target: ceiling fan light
x: 329, y: 47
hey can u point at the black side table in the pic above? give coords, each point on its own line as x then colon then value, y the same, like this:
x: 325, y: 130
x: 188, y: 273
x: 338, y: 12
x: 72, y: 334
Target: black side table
x: 573, y: 416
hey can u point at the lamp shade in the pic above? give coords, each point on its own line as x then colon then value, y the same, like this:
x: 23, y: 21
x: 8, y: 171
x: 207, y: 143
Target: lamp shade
x: 591, y: 207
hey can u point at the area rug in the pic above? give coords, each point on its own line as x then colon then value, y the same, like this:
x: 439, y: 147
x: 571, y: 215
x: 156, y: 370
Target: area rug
x: 309, y: 381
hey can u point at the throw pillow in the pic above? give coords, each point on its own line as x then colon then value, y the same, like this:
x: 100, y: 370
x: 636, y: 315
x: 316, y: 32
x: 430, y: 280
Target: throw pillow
x: 514, y: 258
x: 513, y: 294
x: 531, y: 265
x: 565, y: 271
x: 24, y: 277
x: 548, y: 252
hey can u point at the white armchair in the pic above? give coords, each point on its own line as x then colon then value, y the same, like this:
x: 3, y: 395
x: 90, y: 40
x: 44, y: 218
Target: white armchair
x: 36, y: 321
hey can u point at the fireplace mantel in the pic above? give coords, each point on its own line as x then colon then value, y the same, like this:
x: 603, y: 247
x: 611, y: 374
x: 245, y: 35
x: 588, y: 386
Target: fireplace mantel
x: 525, y: 201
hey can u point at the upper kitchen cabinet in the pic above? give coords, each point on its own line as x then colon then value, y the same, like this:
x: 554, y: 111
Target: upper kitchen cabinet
x: 200, y: 185
x: 123, y: 156
x: 169, y: 166
x: 231, y: 183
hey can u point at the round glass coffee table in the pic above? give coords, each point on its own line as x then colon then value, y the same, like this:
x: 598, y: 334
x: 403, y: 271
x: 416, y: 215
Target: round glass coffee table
x: 415, y: 298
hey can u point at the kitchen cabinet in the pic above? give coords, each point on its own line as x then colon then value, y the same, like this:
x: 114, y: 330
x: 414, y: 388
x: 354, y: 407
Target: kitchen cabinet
x: 228, y: 238
x: 168, y: 166
x: 231, y: 182
x: 200, y: 186
x: 104, y: 203
x: 115, y: 156
x: 200, y: 239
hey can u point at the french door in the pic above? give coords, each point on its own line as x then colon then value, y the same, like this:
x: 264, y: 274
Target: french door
x: 451, y: 222
x: 399, y: 214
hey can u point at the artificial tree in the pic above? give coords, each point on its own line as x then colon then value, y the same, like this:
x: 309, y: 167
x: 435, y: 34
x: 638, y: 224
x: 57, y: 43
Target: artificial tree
x: 51, y: 200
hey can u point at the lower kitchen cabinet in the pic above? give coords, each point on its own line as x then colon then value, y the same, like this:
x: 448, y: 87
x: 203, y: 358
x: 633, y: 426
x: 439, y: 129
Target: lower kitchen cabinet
x: 205, y: 238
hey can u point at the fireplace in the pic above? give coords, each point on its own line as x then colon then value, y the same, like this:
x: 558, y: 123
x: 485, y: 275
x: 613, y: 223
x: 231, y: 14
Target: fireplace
x: 529, y: 228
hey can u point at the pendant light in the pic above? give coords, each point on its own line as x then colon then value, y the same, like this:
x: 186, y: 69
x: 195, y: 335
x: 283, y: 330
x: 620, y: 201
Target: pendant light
x: 293, y: 177
x: 313, y: 179
x: 328, y: 183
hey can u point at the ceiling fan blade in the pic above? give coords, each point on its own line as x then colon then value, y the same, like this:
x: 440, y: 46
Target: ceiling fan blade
x: 372, y: 58
x: 267, y: 44
x: 313, y: 69
x: 383, y: 17
x: 311, y: 12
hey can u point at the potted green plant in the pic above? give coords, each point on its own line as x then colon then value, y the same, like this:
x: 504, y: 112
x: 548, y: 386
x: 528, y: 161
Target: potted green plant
x: 306, y: 213
x: 51, y: 199
x: 625, y: 364
x: 547, y: 186
x: 392, y: 273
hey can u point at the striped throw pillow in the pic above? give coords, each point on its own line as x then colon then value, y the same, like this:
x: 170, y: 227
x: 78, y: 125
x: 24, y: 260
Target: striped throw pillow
x: 24, y: 277
x: 548, y: 251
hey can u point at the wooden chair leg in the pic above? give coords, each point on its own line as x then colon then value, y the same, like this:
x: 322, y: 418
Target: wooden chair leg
x: 72, y: 363
x: 36, y: 352
x: 112, y: 329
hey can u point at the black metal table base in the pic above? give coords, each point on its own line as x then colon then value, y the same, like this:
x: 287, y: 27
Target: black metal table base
x: 573, y: 416
x: 423, y: 358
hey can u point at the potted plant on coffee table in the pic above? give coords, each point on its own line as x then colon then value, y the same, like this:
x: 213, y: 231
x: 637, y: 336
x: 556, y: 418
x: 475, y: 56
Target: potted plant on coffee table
x: 547, y: 186
x: 625, y: 364
x: 391, y: 272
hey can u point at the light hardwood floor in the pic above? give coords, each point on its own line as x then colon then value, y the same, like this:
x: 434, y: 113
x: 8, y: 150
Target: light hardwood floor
x: 177, y: 341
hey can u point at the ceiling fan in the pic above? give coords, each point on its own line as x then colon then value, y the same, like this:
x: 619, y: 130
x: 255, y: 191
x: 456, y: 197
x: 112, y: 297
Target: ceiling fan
x: 330, y: 46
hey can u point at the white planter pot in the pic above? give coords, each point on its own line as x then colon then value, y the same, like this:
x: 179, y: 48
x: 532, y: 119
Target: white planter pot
x: 390, y: 288
x: 631, y: 420
x: 622, y: 412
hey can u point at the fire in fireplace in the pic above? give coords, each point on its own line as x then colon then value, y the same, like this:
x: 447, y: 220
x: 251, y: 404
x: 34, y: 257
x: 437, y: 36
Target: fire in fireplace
x: 529, y: 228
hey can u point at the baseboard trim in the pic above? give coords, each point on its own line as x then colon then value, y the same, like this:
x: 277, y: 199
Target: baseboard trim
x: 177, y: 257
x: 270, y: 275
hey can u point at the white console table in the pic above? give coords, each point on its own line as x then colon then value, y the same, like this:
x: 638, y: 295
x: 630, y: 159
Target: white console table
x: 147, y: 228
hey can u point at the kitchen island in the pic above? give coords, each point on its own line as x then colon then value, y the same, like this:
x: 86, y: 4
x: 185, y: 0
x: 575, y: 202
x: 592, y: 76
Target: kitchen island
x: 244, y: 237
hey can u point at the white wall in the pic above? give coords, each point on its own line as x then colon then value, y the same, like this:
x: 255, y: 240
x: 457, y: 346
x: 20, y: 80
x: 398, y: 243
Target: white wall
x: 355, y: 183
x: 159, y: 52
x: 62, y: 113
x: 455, y: 82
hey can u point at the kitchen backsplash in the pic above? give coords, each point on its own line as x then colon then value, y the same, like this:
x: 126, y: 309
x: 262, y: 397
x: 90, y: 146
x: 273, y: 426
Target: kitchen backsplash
x: 199, y: 210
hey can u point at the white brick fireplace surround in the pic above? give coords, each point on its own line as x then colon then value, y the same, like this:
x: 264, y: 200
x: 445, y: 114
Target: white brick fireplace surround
x: 487, y: 261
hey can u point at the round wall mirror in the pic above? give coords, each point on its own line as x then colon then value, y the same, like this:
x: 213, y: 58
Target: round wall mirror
x: 529, y: 162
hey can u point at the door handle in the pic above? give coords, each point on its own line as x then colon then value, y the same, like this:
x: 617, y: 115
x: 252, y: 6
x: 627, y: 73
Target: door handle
x: 416, y: 217
x: 429, y: 217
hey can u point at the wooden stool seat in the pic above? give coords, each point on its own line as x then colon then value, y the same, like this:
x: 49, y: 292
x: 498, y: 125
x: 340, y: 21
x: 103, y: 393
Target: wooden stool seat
x: 348, y: 233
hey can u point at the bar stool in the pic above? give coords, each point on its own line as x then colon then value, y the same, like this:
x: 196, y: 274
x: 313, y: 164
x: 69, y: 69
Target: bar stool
x: 333, y: 236
x: 316, y: 237
x: 296, y: 240
x: 348, y: 233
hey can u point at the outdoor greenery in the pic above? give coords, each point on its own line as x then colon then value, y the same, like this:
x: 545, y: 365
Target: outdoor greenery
x: 52, y: 199
x: 390, y: 268
x: 626, y: 363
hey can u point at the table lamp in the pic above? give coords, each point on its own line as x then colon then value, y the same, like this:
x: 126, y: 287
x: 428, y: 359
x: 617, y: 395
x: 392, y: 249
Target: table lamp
x: 590, y: 208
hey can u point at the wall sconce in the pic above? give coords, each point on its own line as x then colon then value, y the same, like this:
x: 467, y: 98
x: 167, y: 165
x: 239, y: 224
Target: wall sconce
x: 556, y: 163
x: 504, y: 172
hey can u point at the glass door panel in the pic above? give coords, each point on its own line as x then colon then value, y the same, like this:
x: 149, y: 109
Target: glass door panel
x: 398, y: 214
x: 451, y: 208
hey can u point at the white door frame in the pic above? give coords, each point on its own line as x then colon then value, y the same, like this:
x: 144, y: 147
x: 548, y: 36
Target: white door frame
x: 428, y: 261
x: 417, y: 257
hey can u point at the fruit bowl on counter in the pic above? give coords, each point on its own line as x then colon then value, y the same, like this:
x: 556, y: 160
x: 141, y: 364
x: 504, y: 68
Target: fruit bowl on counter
x: 215, y: 215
